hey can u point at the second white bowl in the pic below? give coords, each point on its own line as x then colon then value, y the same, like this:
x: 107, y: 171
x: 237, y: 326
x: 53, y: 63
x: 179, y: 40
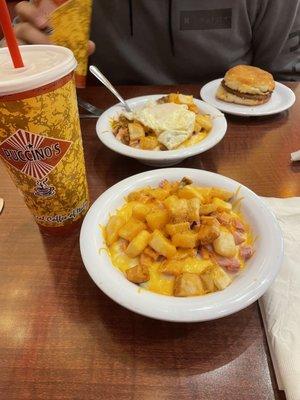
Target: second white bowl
x: 247, y: 287
x: 159, y: 158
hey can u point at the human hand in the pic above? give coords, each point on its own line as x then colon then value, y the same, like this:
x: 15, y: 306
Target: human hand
x: 31, y: 28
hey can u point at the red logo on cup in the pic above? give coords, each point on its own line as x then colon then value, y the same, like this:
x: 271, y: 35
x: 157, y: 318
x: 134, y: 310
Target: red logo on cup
x: 33, y: 154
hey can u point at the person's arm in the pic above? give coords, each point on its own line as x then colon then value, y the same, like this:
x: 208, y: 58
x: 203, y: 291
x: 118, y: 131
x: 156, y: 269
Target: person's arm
x: 31, y: 25
x: 276, y: 38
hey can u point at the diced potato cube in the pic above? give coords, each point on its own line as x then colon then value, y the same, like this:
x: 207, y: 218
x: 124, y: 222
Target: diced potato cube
x: 157, y: 205
x: 207, y: 279
x: 208, y: 233
x: 170, y: 201
x: 186, y: 239
x: 197, y: 127
x: 225, y: 245
x: 194, y: 108
x: 178, y: 209
x: 146, y: 260
x: 148, y: 142
x: 162, y: 245
x: 188, y: 284
x: 190, y: 264
x: 209, y: 220
x: 185, y: 253
x: 140, y: 211
x: 194, y: 209
x: 224, y: 218
x: 205, y: 193
x: 205, y: 121
x: 157, y: 219
x: 170, y: 187
x: 221, y: 204
x: 112, y: 229
x: 173, y: 98
x: 221, y: 193
x: 126, y: 211
x: 206, y: 209
x: 171, y: 229
x: 185, y: 99
x: 131, y: 229
x: 220, y: 277
x: 151, y: 253
x: 138, y: 244
x: 138, y: 274
x: 119, y: 257
x: 189, y: 192
x: 136, y: 131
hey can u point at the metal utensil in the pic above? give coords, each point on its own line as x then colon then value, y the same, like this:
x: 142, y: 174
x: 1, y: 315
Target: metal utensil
x: 95, y: 71
x: 89, y: 107
x: 88, y: 116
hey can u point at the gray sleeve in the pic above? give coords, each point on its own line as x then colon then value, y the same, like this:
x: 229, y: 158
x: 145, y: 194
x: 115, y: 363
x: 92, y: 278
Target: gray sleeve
x: 276, y: 38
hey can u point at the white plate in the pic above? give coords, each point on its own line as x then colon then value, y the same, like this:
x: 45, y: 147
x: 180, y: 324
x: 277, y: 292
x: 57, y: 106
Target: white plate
x: 159, y: 158
x: 258, y: 275
x: 282, y: 98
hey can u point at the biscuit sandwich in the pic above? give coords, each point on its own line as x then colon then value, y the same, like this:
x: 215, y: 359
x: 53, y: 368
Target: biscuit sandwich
x: 244, y: 84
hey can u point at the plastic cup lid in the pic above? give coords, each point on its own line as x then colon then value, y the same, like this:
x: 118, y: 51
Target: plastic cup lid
x: 43, y: 64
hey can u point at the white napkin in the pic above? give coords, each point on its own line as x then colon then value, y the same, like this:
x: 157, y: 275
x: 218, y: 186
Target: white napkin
x: 280, y: 305
x: 295, y: 156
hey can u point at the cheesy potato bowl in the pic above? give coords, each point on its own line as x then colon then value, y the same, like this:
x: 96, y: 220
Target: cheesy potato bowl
x: 206, y: 301
x: 179, y: 129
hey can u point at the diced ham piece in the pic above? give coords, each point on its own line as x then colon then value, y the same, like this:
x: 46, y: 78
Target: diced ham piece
x: 239, y: 237
x: 231, y: 264
x: 122, y: 132
x: 209, y: 247
x: 204, y: 253
x: 238, y: 225
x: 246, y: 252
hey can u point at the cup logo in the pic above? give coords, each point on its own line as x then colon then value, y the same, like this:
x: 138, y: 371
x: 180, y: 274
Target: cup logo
x: 43, y: 189
x: 32, y: 154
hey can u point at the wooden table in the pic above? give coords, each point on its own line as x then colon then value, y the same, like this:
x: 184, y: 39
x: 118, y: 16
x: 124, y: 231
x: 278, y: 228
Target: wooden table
x: 61, y: 338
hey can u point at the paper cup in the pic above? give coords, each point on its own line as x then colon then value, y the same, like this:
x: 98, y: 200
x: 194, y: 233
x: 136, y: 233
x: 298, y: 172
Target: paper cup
x: 40, y: 137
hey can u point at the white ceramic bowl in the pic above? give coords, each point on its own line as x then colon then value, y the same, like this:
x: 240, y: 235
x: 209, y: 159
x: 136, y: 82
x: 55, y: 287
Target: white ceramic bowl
x: 247, y: 287
x: 159, y: 158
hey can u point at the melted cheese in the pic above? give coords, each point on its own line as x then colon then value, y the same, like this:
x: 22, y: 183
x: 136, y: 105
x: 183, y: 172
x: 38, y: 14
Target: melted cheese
x: 197, y: 138
x: 159, y: 282
x: 119, y: 258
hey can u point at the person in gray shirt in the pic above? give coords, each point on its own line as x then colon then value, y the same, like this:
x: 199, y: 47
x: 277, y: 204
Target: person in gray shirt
x: 184, y: 41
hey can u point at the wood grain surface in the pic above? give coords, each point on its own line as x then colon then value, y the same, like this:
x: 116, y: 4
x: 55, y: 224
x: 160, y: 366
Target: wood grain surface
x: 61, y: 338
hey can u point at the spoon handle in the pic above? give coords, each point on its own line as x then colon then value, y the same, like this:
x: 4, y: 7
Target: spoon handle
x: 95, y: 71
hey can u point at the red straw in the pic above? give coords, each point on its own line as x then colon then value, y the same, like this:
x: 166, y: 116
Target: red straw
x: 10, y: 35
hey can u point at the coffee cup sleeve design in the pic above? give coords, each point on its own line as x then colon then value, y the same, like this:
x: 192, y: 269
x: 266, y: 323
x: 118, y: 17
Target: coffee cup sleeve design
x: 41, y: 145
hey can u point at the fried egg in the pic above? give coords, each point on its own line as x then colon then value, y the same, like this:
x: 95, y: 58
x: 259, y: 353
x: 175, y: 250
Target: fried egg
x: 173, y: 123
